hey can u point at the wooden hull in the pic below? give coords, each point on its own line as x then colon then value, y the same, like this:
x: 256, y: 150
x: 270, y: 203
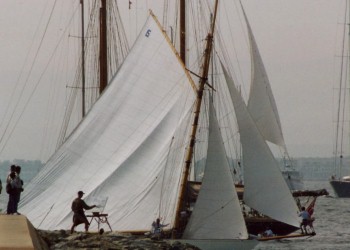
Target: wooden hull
x: 259, y: 223
x: 256, y: 225
x: 341, y: 188
x: 286, y: 237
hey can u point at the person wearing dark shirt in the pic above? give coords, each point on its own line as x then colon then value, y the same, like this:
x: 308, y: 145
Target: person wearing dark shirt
x: 78, y: 207
x: 11, y: 188
x: 19, y: 189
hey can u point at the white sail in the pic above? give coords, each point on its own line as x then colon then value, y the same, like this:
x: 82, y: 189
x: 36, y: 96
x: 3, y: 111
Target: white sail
x: 264, y: 187
x: 217, y: 213
x: 261, y: 104
x: 129, y: 148
x: 263, y: 109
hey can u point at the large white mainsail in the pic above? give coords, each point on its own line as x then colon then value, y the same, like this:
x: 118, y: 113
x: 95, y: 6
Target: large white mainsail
x: 261, y: 104
x: 129, y: 148
x: 217, y: 213
x: 264, y: 187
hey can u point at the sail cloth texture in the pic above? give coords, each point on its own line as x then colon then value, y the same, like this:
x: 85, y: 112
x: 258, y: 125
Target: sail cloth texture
x: 261, y: 104
x: 217, y: 213
x: 265, y: 189
x: 129, y: 147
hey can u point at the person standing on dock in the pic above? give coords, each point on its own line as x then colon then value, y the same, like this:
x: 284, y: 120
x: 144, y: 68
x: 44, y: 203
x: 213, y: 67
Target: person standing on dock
x: 19, y: 189
x: 11, y: 186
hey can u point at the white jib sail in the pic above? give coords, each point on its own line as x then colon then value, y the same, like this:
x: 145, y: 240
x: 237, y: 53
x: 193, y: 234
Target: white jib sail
x: 217, y: 213
x: 261, y: 104
x: 129, y: 148
x: 264, y: 186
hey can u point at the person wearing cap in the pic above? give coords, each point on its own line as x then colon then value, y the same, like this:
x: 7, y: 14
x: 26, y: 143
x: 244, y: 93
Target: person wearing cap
x: 78, y: 206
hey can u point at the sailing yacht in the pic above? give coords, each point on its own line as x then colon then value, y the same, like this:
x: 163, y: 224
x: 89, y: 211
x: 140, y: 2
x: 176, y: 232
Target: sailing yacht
x: 264, y: 123
x: 340, y: 182
x: 135, y: 146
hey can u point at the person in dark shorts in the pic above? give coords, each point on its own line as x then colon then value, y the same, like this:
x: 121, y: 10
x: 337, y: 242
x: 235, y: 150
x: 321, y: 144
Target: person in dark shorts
x: 306, y: 221
x: 78, y: 207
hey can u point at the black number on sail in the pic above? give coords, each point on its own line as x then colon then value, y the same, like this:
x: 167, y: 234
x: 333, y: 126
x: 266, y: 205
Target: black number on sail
x: 148, y: 32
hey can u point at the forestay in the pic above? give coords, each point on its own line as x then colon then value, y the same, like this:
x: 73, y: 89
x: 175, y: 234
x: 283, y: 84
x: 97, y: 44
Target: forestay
x: 217, y: 213
x: 264, y: 186
x: 129, y: 148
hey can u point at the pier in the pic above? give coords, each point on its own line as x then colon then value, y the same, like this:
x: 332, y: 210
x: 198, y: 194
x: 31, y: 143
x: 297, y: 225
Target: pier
x: 16, y: 232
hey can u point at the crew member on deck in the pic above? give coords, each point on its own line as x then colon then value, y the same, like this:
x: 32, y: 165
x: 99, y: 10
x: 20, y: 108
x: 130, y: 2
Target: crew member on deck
x: 307, y: 221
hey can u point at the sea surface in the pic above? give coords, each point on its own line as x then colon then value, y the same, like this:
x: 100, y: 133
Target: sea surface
x: 332, y: 224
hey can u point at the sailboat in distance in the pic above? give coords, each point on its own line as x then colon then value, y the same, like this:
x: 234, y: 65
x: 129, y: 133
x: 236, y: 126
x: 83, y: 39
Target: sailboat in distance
x: 135, y: 147
x: 340, y: 182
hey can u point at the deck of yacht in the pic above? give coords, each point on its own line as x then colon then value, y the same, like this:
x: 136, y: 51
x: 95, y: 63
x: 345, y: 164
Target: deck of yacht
x: 16, y: 232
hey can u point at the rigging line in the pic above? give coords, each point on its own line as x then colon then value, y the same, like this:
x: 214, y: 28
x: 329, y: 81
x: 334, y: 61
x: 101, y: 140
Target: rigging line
x: 46, y: 215
x: 73, y: 94
x: 165, y: 13
x: 17, y: 82
x: 22, y: 69
x: 36, y: 85
x: 346, y: 77
x: 26, y: 81
x: 204, y: 219
x: 195, y: 30
x: 223, y: 46
x: 343, y: 114
x: 119, y: 39
x: 247, y: 43
x: 163, y: 180
x: 226, y: 116
x: 48, y: 139
x: 340, y: 82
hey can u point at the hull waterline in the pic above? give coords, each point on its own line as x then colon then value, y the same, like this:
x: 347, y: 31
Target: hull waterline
x: 341, y: 188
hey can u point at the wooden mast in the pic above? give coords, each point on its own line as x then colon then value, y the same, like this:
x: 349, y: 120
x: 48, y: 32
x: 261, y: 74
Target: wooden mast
x: 103, y: 46
x: 82, y: 58
x: 183, y: 31
x: 204, y: 77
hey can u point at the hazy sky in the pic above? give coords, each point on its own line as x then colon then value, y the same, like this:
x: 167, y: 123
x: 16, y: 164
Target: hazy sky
x: 298, y: 40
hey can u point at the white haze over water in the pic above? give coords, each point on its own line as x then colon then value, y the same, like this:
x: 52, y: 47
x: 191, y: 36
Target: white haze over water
x: 297, y: 39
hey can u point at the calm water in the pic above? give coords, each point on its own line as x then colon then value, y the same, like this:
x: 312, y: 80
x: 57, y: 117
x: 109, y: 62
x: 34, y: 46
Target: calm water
x: 332, y: 225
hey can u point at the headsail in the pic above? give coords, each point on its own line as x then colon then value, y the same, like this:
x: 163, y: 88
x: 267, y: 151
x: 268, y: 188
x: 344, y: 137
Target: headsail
x: 264, y: 187
x: 261, y: 104
x: 217, y: 213
x: 129, y: 147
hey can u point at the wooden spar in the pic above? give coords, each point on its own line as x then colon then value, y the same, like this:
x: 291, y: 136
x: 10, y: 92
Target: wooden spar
x: 103, y: 46
x: 82, y: 59
x: 278, y: 237
x: 183, y: 31
x: 190, y: 149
